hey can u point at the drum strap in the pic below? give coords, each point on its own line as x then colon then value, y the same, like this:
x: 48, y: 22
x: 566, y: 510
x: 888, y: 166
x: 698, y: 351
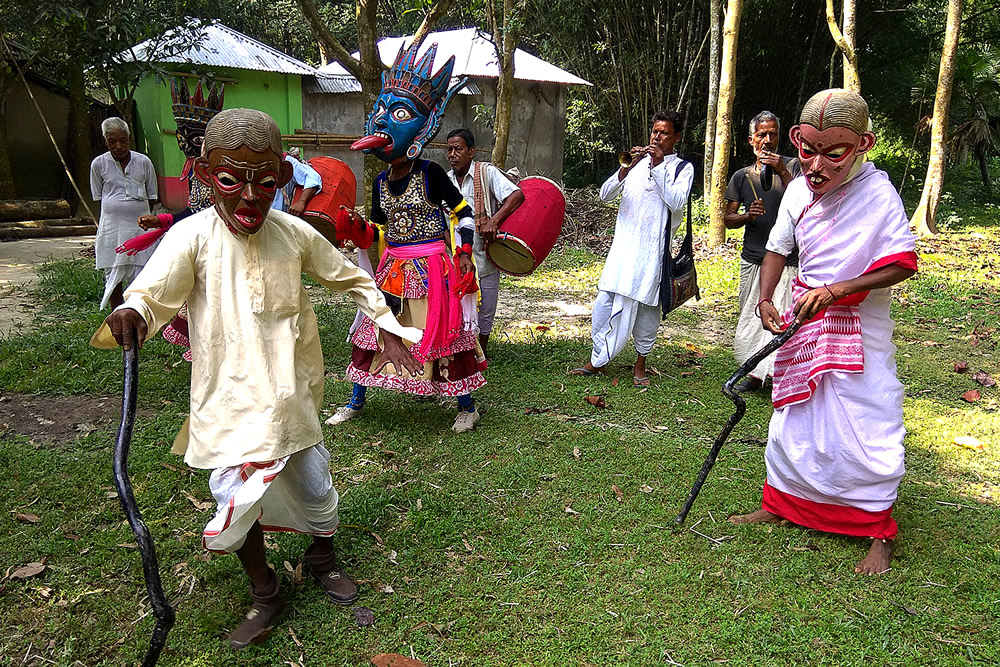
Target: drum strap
x: 479, y: 192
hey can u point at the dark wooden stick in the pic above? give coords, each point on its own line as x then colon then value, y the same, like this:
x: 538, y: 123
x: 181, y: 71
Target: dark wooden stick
x: 741, y: 408
x: 162, y: 610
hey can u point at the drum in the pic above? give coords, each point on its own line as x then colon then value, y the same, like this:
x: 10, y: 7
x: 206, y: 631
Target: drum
x: 526, y: 238
x: 339, y: 189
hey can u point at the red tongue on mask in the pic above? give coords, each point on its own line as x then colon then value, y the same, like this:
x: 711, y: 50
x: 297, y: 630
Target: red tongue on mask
x: 371, y: 141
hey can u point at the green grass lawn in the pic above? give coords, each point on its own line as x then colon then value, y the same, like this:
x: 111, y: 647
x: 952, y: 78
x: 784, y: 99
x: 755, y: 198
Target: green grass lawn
x: 509, y: 545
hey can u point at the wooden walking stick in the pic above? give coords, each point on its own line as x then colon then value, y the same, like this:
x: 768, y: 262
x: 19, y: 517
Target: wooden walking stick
x: 741, y: 408
x: 162, y: 610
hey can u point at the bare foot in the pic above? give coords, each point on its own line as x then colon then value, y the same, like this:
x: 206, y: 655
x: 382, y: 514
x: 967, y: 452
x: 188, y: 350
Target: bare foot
x: 878, y: 559
x: 760, y: 516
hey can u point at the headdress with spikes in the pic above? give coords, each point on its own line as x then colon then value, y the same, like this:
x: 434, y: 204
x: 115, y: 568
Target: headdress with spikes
x: 415, y: 80
x: 195, y: 109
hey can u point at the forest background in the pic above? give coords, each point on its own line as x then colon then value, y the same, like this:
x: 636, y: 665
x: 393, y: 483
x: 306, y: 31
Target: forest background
x: 641, y: 55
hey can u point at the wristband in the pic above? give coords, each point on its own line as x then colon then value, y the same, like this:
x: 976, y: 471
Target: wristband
x: 830, y: 291
x: 464, y: 249
x: 756, y: 310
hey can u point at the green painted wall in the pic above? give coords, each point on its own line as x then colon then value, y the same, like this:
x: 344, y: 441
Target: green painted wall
x: 279, y: 95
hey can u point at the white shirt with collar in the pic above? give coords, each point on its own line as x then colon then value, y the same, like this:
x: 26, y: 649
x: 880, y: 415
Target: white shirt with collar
x: 652, y: 198
x: 500, y: 188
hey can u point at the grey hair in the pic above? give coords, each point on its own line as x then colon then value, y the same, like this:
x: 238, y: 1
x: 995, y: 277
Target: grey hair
x: 114, y: 125
x: 763, y: 117
x: 233, y: 128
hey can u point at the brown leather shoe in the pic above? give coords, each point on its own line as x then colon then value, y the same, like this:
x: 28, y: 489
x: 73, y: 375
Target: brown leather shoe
x: 335, y: 583
x: 268, y: 606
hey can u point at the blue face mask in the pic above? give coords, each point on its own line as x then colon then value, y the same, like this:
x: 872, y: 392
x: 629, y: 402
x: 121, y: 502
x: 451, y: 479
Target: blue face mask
x: 399, y: 118
x: 408, y: 112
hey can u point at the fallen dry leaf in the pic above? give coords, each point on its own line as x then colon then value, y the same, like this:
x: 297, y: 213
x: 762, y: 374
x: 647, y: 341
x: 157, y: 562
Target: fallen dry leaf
x: 961, y: 366
x: 200, y: 505
x: 596, y: 401
x: 646, y: 488
x: 614, y: 383
x: 619, y: 496
x: 969, y: 442
x: 983, y: 378
x: 576, y: 453
x: 27, y: 517
x: 28, y: 571
x: 468, y: 547
x: 971, y: 396
x: 571, y: 511
x: 395, y: 660
x: 420, y: 504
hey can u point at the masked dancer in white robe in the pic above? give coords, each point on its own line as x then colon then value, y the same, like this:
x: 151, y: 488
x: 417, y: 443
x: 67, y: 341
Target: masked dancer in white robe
x: 835, y: 445
x: 257, y: 368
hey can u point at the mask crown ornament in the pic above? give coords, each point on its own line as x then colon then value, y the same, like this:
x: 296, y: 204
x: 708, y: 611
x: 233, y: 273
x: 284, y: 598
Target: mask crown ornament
x: 408, y: 112
x: 196, y: 109
x: 414, y: 78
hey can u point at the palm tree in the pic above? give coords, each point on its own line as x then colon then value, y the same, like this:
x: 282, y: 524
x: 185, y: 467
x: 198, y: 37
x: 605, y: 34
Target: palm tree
x: 976, y: 111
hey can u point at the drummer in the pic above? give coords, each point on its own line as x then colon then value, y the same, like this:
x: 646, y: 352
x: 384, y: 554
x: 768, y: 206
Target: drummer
x: 489, y: 212
x: 302, y: 175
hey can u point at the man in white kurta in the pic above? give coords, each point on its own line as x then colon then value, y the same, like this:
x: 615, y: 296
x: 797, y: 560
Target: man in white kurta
x: 257, y: 371
x: 835, y: 443
x: 653, y: 190
x: 124, y: 181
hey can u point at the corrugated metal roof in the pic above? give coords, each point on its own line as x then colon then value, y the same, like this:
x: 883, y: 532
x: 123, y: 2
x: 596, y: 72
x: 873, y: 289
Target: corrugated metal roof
x: 345, y: 83
x: 475, y: 56
x: 221, y: 46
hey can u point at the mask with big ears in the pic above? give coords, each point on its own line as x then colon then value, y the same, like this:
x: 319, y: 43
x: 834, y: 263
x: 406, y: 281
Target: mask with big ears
x: 832, y: 138
x: 242, y: 163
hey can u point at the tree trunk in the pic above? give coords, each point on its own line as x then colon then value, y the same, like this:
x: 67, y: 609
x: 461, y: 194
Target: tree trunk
x: 851, y: 79
x: 984, y: 171
x: 505, y: 41
x: 925, y: 216
x: 723, y: 121
x: 715, y: 22
x: 79, y: 132
x: 7, y: 190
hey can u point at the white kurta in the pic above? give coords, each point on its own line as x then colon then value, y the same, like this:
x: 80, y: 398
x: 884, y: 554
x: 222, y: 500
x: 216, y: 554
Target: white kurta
x: 257, y: 373
x: 124, y: 196
x: 844, y: 445
x: 651, y: 199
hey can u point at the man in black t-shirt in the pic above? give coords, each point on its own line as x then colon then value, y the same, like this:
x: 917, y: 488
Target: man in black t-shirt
x: 759, y: 188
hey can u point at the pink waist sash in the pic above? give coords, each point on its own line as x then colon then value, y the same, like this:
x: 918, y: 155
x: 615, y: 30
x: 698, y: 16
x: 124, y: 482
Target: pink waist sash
x: 444, y: 311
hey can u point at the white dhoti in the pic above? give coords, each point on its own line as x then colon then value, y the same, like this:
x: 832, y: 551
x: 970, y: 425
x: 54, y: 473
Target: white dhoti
x: 114, y: 275
x: 294, y: 493
x: 617, y: 317
x: 750, y: 334
x: 834, y: 462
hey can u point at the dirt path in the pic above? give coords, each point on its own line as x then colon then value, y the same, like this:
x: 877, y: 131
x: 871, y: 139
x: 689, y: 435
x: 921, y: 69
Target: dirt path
x: 18, y: 261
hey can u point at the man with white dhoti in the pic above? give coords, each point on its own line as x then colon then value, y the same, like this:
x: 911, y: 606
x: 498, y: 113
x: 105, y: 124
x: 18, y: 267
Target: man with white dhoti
x: 835, y: 444
x: 124, y: 181
x: 759, y: 188
x: 257, y: 368
x: 654, y: 189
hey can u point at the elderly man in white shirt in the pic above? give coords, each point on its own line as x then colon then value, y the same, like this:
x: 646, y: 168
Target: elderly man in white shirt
x: 495, y: 198
x: 654, y: 188
x: 124, y: 181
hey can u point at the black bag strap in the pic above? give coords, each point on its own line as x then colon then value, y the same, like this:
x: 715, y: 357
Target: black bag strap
x: 688, y: 241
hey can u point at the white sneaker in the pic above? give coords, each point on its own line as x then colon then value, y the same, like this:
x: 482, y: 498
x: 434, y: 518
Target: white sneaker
x: 465, y: 421
x: 342, y: 415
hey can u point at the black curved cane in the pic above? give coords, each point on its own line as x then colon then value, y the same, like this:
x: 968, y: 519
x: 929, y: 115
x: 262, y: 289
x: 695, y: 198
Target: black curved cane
x: 741, y: 408
x: 162, y: 610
